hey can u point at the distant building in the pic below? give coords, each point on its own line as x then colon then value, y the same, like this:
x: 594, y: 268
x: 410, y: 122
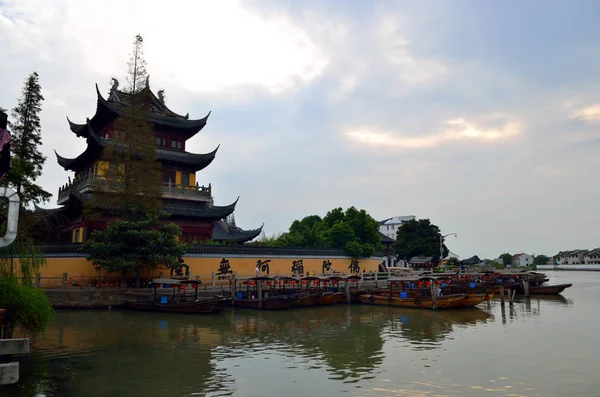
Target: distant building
x: 389, y: 227
x: 421, y: 262
x: 574, y: 257
x: 522, y: 260
x: 592, y: 257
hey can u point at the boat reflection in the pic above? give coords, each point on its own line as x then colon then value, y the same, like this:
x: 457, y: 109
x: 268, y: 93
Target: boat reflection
x: 424, y: 329
x: 346, y: 339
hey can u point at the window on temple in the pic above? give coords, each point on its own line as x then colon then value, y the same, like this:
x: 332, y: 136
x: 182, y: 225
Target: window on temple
x: 76, y: 238
x: 185, y: 179
x: 168, y: 176
x: 164, y: 141
x: 158, y: 141
x: 173, y: 144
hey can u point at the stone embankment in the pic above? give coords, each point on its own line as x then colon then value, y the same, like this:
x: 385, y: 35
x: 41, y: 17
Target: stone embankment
x: 74, y: 298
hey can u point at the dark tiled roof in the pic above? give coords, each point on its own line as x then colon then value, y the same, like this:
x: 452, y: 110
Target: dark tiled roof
x: 197, y: 161
x: 223, y: 232
x: 197, y: 209
x: 166, y: 118
x: 416, y: 259
x: 58, y: 249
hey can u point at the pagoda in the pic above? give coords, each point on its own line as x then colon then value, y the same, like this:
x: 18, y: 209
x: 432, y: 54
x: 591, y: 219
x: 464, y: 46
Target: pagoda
x: 187, y: 203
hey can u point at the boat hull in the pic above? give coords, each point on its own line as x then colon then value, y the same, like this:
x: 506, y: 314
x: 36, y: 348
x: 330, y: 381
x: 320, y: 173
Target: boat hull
x: 278, y: 303
x: 546, y: 289
x: 305, y: 300
x: 330, y: 298
x: 442, y: 302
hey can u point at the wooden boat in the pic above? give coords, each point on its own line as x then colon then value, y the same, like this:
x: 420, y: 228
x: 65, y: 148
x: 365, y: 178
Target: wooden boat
x: 442, y: 302
x: 330, y: 298
x: 470, y: 300
x: 181, y: 296
x: 270, y: 303
x: 304, y: 300
x: 548, y: 289
x: 261, y: 293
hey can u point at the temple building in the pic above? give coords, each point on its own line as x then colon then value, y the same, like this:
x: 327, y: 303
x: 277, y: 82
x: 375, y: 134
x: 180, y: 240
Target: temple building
x: 187, y: 203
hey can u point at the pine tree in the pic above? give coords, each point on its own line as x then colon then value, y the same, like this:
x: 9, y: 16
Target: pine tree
x: 27, y: 159
x: 132, y: 183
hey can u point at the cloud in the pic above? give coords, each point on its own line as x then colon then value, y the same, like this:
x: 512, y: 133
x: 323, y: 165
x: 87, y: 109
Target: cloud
x: 209, y: 47
x: 590, y: 114
x: 454, y: 130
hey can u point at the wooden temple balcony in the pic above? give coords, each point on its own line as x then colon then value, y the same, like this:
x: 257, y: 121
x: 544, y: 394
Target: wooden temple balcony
x: 82, y: 184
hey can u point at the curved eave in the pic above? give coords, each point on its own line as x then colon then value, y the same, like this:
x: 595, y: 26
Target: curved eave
x: 78, y: 129
x: 236, y: 235
x: 94, y: 148
x: 194, y: 161
x: 200, y: 211
x: 63, y: 161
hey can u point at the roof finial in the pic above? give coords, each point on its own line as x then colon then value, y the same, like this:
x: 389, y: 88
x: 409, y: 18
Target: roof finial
x: 148, y: 81
x: 115, y: 83
x: 161, y: 96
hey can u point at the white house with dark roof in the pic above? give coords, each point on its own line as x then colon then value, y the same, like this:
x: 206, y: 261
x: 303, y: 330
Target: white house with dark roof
x: 389, y: 227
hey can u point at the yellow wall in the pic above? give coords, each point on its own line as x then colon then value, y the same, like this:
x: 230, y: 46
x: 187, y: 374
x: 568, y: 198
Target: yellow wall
x: 192, y: 179
x: 178, y: 177
x: 204, y: 267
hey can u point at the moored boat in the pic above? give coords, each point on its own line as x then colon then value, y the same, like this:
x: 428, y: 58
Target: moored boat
x: 426, y: 302
x: 261, y: 292
x: 545, y: 289
x: 176, y: 296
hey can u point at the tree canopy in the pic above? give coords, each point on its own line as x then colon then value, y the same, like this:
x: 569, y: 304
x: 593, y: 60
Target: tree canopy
x: 27, y: 159
x: 134, y: 246
x: 506, y: 259
x: 353, y: 230
x: 541, y: 260
x: 130, y: 185
x: 419, y: 238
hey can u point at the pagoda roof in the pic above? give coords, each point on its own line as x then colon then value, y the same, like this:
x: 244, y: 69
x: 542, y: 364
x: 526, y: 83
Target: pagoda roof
x: 197, y: 209
x: 224, y: 232
x: 111, y: 108
x: 63, y: 213
x: 95, y: 145
x: 177, y: 208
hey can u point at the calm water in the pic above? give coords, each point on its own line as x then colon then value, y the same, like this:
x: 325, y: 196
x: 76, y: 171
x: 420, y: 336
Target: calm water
x: 539, y: 347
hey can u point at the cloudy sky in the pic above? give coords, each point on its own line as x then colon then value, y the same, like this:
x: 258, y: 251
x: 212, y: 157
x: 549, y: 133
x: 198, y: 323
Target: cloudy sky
x: 483, y: 116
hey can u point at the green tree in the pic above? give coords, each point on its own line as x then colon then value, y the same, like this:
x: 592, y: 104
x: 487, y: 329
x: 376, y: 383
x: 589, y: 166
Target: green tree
x: 541, y: 260
x: 131, y: 186
x: 135, y: 246
x: 353, y: 230
x: 419, y: 238
x: 506, y: 259
x: 27, y: 159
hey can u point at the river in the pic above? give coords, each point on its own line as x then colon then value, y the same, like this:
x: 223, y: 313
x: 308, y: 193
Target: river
x: 543, y: 346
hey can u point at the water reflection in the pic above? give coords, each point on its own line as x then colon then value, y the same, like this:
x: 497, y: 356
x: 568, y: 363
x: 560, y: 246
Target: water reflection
x: 425, y: 329
x: 108, y: 353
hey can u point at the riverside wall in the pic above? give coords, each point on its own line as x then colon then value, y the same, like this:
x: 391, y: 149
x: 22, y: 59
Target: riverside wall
x: 206, y: 262
x: 568, y: 267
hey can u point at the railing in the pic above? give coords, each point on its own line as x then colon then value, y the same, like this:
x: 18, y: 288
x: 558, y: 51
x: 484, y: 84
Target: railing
x: 83, y: 183
x: 196, y: 191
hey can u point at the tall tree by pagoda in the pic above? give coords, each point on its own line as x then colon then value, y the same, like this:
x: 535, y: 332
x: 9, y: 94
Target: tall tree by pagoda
x: 132, y: 183
x: 27, y: 159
